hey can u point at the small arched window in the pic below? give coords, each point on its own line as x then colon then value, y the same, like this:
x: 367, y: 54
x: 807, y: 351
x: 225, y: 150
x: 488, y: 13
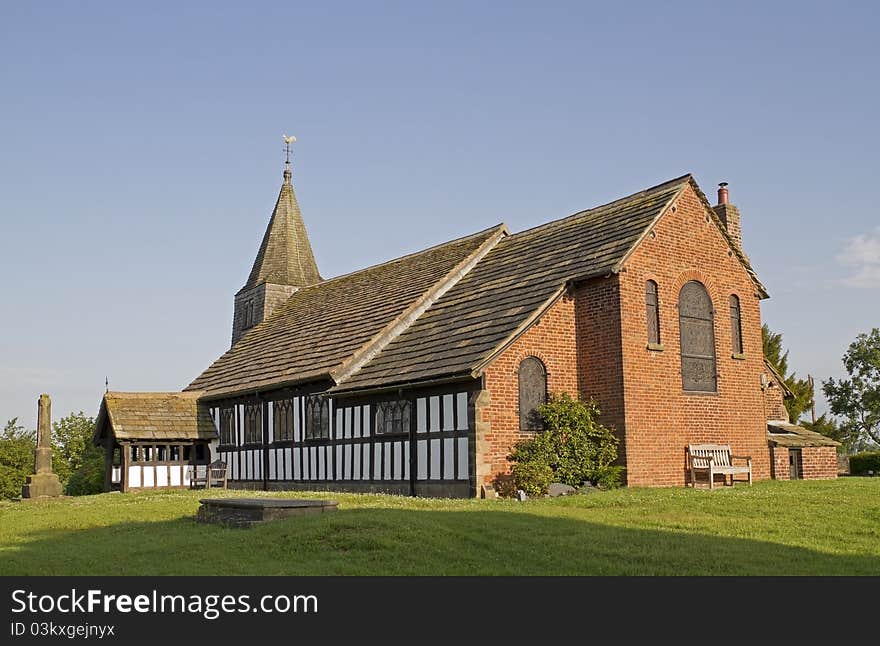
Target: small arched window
x: 697, y: 326
x: 532, y: 393
x: 736, y: 333
x: 652, y: 312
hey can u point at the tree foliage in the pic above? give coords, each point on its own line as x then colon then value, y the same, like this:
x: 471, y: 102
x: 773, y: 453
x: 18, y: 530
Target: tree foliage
x: 804, y: 393
x: 857, y: 399
x: 829, y: 427
x: 16, y: 458
x: 573, y: 449
x: 78, y: 463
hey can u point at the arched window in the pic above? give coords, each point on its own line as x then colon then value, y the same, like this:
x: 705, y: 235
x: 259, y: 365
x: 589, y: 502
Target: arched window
x: 696, y: 323
x: 532, y: 393
x: 652, y: 312
x: 736, y: 332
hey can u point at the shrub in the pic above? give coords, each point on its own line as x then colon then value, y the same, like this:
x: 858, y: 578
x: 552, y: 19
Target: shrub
x: 16, y: 459
x: 573, y: 449
x: 88, y: 478
x: 861, y: 463
x: 533, y: 476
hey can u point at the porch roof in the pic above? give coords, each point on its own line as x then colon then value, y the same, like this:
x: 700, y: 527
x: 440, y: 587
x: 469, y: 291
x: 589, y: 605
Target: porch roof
x: 781, y: 433
x: 154, y: 416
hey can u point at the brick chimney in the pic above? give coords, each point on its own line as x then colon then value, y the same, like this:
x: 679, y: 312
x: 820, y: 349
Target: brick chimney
x: 729, y: 215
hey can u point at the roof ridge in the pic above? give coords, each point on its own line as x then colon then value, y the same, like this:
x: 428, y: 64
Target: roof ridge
x: 500, y: 225
x: 645, y: 191
x: 410, y: 315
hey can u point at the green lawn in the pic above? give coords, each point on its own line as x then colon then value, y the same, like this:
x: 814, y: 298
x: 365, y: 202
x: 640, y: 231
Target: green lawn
x: 771, y: 528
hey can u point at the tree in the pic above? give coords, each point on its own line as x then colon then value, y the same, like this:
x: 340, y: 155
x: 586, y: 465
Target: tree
x: 71, y: 437
x: 829, y: 427
x: 16, y: 458
x: 803, y: 391
x: 857, y: 399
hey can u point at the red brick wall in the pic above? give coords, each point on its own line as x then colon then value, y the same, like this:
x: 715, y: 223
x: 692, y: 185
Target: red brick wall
x: 774, y: 400
x: 552, y: 340
x: 599, y: 358
x: 780, y: 467
x: 819, y: 462
x: 660, y: 418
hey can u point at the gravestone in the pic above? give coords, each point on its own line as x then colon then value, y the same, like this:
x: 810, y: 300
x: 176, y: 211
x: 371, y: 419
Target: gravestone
x: 246, y: 512
x: 43, y: 482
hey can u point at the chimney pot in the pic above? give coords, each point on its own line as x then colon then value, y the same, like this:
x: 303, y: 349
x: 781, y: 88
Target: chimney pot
x: 722, y: 193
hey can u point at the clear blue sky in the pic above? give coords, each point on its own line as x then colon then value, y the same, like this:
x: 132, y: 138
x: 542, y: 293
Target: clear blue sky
x: 140, y: 156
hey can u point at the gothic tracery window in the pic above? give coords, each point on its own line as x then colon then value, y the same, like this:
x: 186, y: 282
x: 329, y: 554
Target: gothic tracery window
x: 696, y: 323
x: 532, y: 393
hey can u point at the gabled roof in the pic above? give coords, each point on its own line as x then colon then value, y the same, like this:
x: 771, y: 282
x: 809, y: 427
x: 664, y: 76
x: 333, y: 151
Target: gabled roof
x: 786, y: 391
x: 327, y: 330
x: 523, y: 274
x: 154, y: 416
x: 285, y: 256
x: 781, y: 433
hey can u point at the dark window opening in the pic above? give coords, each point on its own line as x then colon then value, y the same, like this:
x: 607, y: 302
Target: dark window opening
x: 392, y: 417
x: 736, y: 325
x: 283, y: 419
x: 135, y: 454
x: 317, y: 418
x: 162, y: 453
x: 227, y: 426
x: 253, y: 423
x: 187, y: 453
x: 175, y: 453
x: 697, y: 326
x: 532, y: 393
x: 652, y: 312
x: 200, y: 452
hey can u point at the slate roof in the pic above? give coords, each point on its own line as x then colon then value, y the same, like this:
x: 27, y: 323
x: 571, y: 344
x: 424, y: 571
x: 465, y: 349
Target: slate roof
x: 159, y: 416
x: 784, y: 434
x: 322, y: 328
x: 503, y: 292
x: 285, y: 256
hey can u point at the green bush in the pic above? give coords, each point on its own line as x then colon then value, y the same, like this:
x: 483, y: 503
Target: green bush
x: 533, y: 476
x: 16, y: 459
x: 573, y: 449
x: 861, y: 463
x: 88, y: 478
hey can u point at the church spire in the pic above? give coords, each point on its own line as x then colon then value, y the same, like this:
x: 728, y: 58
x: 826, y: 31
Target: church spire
x: 284, y: 263
x: 285, y: 256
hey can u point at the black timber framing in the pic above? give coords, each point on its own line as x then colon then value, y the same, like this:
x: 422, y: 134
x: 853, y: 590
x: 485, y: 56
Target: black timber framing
x: 353, y: 447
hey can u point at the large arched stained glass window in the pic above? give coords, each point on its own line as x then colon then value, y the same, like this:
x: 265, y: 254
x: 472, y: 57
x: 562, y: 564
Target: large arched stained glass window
x: 532, y: 393
x: 696, y: 323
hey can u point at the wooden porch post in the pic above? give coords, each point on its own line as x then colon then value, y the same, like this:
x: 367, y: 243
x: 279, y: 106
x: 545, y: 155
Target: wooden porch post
x: 126, y: 460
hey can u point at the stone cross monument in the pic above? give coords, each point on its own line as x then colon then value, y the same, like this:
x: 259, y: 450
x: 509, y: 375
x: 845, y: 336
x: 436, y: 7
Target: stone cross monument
x: 43, y: 482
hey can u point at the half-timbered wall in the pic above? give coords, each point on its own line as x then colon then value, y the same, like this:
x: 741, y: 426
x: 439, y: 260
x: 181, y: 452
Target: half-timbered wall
x: 408, y: 445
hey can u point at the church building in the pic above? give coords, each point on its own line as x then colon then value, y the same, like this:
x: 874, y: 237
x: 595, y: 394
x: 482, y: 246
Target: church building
x: 418, y: 375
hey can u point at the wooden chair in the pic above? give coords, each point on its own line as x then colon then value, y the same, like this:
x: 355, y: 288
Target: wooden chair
x: 716, y: 458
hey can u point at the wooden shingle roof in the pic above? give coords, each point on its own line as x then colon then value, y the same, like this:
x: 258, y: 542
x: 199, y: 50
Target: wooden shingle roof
x: 326, y: 330
x: 505, y: 291
x: 154, y: 416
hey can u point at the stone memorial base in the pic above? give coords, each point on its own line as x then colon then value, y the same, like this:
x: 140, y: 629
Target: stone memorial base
x: 41, y: 484
x: 245, y: 512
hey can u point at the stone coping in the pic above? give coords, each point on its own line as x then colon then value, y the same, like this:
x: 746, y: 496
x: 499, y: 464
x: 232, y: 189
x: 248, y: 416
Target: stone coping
x: 273, y: 503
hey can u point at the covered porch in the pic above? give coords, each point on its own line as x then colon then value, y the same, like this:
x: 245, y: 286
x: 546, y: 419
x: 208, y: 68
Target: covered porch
x: 153, y: 440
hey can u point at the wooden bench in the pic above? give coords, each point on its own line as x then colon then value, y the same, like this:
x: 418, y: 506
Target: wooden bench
x: 211, y: 475
x: 716, y: 458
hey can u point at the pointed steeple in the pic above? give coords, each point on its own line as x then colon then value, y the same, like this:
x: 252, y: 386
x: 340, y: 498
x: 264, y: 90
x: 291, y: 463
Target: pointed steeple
x: 285, y: 256
x: 284, y: 263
